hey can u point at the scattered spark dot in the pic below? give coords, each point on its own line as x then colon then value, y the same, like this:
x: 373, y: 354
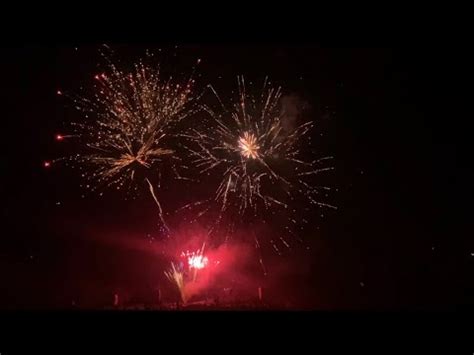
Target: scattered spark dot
x: 47, y: 164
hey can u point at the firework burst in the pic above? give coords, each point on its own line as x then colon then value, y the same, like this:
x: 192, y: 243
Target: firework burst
x: 128, y: 127
x: 260, y: 159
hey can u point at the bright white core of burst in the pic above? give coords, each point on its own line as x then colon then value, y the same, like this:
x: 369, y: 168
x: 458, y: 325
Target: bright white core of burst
x: 248, y: 145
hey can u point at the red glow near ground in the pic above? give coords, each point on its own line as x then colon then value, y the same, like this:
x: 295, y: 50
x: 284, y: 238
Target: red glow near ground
x: 47, y: 164
x: 59, y: 137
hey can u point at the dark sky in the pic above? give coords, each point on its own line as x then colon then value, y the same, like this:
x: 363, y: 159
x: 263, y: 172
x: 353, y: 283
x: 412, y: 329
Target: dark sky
x: 396, y: 242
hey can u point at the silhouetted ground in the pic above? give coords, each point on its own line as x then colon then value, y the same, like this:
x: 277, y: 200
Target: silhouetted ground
x: 208, y: 305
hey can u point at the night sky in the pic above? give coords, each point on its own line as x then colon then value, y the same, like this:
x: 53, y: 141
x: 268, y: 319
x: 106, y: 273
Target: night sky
x: 394, y: 243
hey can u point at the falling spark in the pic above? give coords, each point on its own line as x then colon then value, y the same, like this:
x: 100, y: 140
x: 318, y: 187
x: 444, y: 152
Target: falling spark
x: 260, y: 259
x: 160, y: 210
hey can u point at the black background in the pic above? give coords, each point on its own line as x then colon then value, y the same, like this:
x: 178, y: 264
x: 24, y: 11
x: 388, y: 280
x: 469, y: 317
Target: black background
x: 398, y: 139
x: 421, y: 112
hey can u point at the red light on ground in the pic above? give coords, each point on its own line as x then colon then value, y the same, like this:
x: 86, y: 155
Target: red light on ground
x: 47, y: 164
x: 59, y: 137
x: 59, y: 92
x: 96, y: 77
